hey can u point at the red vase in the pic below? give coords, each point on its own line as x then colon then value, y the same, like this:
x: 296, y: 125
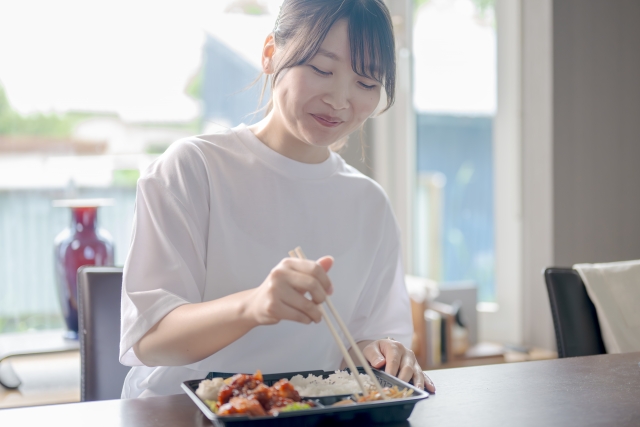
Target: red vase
x: 83, y: 243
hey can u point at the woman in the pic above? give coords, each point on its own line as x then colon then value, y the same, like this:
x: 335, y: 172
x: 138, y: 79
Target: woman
x: 206, y: 287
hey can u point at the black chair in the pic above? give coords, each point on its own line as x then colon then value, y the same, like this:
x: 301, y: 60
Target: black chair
x: 102, y: 375
x: 574, y: 317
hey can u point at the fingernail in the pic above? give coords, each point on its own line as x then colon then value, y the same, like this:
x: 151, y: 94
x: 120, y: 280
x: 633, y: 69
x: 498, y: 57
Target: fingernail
x: 378, y: 360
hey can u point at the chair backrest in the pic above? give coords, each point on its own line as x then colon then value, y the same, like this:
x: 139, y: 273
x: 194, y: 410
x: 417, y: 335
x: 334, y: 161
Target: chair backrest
x: 574, y: 317
x: 102, y: 375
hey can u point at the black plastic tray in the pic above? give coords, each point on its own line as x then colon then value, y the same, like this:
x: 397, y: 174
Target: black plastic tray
x: 381, y: 411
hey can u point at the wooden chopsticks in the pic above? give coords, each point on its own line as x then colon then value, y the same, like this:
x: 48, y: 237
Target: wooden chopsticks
x: 297, y: 252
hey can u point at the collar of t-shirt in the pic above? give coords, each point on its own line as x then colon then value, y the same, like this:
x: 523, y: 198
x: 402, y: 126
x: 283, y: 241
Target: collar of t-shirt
x: 283, y: 164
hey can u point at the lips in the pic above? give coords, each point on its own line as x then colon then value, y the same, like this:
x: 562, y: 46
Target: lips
x: 327, y: 121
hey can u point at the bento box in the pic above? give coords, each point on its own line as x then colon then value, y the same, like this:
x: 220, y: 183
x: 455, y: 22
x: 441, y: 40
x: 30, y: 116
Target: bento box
x: 379, y: 411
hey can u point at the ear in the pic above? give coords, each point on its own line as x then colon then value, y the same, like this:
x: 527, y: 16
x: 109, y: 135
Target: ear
x: 268, y: 51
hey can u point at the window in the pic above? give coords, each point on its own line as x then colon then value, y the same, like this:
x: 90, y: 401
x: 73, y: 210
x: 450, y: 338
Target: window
x: 89, y: 99
x: 454, y: 51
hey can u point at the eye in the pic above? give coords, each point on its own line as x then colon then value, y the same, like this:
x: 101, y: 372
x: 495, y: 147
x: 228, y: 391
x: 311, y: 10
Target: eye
x: 322, y: 73
x: 366, y: 86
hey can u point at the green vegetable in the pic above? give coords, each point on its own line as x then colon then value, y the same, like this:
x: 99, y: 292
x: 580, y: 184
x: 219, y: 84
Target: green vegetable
x: 295, y: 406
x: 213, y: 405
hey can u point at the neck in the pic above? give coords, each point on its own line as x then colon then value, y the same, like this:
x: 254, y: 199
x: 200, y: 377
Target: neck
x: 275, y: 135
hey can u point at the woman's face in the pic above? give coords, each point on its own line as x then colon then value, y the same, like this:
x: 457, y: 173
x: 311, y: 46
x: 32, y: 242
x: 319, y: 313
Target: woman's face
x: 325, y: 100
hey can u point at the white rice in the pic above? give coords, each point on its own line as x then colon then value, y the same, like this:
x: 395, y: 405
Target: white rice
x: 209, y: 389
x: 340, y: 382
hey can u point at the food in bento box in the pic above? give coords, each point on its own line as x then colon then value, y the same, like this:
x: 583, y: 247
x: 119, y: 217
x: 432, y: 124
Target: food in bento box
x: 248, y: 395
x: 392, y: 393
x: 208, y: 389
x: 244, y: 394
x: 340, y: 382
x: 345, y: 402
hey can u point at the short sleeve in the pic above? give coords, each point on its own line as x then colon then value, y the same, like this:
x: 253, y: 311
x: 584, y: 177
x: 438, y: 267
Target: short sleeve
x: 384, y: 309
x: 166, y: 265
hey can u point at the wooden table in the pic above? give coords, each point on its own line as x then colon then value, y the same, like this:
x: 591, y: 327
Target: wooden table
x: 584, y: 391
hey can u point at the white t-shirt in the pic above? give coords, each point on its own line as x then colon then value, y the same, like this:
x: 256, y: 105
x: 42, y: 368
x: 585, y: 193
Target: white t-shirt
x: 215, y: 213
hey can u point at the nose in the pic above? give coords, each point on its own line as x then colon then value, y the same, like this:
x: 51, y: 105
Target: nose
x: 338, y: 97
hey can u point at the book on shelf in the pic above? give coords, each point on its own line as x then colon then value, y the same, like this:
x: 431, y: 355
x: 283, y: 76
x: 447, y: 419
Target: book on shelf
x: 433, y: 329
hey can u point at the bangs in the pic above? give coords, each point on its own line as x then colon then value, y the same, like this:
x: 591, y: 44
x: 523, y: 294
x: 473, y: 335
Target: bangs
x: 372, y: 48
x: 372, y: 45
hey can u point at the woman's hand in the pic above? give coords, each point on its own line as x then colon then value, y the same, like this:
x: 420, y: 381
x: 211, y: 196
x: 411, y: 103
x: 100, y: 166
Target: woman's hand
x: 398, y: 361
x: 177, y: 339
x: 282, y: 295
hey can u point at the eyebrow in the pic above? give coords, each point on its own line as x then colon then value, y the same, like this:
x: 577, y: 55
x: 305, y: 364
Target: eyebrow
x: 328, y: 54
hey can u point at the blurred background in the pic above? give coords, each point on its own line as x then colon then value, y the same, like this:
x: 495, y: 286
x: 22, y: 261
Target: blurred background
x: 94, y: 95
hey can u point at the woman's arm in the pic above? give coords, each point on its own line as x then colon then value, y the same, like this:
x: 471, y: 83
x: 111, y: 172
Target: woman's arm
x: 193, y: 332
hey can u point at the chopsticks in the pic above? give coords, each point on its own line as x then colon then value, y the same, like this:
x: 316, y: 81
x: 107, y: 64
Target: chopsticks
x: 297, y: 252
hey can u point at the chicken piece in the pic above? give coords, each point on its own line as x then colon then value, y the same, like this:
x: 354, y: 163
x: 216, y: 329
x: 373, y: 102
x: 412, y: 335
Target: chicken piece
x: 242, y: 405
x: 262, y: 394
x: 225, y: 393
x: 238, y: 386
x: 284, y: 388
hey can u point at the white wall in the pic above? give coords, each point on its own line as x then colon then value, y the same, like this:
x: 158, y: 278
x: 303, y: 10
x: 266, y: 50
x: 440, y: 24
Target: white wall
x: 596, y: 130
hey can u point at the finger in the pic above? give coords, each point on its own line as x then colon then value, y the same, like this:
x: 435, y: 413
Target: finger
x: 298, y: 302
x: 320, y: 269
x: 312, y: 268
x: 407, y: 367
x: 282, y: 311
x: 304, y: 283
x: 393, y: 356
x: 429, y: 385
x: 287, y: 290
x: 418, y: 377
x: 326, y: 262
x: 374, y: 355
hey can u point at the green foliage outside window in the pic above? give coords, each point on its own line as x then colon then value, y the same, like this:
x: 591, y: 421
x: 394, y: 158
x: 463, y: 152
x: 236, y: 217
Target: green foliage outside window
x: 125, y: 177
x: 29, y: 322
x: 13, y: 123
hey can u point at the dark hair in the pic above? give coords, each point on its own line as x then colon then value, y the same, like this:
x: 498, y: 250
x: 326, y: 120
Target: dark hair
x: 303, y: 24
